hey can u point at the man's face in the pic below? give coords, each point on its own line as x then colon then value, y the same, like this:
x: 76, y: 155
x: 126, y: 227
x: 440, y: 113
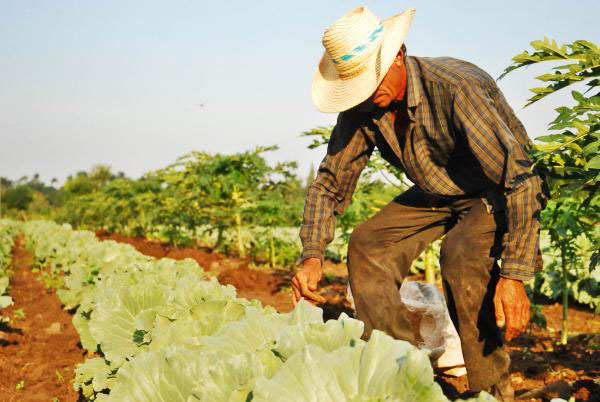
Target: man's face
x: 392, y: 88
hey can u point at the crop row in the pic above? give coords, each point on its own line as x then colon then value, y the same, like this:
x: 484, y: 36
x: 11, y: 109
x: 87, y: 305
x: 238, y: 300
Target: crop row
x: 8, y: 230
x: 162, y: 330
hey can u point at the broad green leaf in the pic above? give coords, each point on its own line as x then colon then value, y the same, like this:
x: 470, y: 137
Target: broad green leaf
x: 160, y: 376
x: 552, y: 138
x: 593, y: 163
x: 81, y: 324
x: 548, y: 147
x: 578, y: 97
x: 113, y: 321
x: 3, y: 284
x: 382, y: 369
x: 93, y: 375
x: 234, y: 378
x: 329, y: 336
x: 5, y: 301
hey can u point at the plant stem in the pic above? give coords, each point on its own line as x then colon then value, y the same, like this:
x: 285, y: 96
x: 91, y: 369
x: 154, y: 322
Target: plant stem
x: 565, y: 294
x: 271, y: 248
x: 219, y: 236
x: 238, y: 225
x: 429, y: 267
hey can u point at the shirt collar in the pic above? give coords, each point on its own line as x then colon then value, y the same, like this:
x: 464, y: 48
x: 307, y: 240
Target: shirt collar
x: 414, y: 86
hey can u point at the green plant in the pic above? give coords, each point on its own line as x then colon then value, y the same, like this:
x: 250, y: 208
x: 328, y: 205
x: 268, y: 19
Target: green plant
x: 8, y: 231
x: 162, y: 330
x: 19, y: 314
x: 59, y: 376
x: 537, y: 317
x: 199, y: 195
x: 569, y: 156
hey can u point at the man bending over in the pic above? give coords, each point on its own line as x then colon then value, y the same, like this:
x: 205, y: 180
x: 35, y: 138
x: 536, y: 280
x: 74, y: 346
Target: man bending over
x: 446, y: 124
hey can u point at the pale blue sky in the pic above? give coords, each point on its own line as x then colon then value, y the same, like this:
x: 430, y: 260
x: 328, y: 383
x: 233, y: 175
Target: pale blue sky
x: 121, y: 82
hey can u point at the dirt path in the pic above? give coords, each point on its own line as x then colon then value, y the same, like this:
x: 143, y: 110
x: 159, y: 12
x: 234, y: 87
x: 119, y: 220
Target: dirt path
x: 39, y: 351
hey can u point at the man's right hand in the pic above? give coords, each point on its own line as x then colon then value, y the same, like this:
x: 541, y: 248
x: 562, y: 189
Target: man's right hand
x: 304, y: 283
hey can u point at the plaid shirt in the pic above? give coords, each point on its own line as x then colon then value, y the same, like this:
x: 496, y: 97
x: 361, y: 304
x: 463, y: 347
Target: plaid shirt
x: 461, y: 139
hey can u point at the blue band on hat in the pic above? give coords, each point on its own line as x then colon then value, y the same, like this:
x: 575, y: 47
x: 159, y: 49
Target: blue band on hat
x: 360, y: 48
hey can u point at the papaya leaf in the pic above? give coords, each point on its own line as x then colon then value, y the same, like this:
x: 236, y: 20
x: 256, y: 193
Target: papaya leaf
x: 593, y: 163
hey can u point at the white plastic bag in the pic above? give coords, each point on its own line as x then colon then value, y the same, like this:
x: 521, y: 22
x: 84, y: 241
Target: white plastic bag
x: 432, y: 326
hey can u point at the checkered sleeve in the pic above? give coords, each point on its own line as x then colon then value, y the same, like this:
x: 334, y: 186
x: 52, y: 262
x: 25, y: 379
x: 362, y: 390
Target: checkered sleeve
x: 506, y: 163
x: 330, y: 192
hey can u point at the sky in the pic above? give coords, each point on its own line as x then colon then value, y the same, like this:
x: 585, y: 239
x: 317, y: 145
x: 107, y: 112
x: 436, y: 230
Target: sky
x: 135, y: 84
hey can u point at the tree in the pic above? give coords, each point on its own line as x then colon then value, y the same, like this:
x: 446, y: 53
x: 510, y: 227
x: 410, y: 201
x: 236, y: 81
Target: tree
x: 569, y: 156
x: 18, y: 197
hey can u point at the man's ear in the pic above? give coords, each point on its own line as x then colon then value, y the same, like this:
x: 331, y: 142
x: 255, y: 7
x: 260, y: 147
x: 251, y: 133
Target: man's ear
x: 399, y: 60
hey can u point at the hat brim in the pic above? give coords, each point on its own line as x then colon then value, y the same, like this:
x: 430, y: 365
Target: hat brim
x: 331, y: 94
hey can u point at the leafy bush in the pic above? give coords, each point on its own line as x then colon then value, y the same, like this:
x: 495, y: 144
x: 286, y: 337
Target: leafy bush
x: 569, y: 159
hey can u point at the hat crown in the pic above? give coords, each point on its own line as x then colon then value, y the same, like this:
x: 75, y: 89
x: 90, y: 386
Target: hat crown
x: 351, y: 40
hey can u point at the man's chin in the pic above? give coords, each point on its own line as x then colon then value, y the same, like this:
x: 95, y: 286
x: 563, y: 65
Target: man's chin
x: 370, y: 105
x: 365, y: 107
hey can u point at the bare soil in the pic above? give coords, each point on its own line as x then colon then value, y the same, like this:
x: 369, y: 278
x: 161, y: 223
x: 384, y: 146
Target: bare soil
x: 537, y: 359
x: 39, y: 351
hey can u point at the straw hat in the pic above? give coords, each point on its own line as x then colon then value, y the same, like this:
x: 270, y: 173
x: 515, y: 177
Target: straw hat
x: 359, y: 50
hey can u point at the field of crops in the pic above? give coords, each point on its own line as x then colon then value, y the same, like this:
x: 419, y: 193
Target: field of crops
x: 162, y: 330
x: 165, y: 329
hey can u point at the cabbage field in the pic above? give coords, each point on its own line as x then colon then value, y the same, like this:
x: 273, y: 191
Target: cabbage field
x: 162, y: 330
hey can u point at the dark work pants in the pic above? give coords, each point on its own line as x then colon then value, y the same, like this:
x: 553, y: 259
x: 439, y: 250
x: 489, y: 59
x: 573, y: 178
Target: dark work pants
x: 382, y: 249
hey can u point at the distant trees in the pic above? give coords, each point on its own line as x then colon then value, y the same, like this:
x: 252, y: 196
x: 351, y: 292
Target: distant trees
x: 17, y: 197
x: 33, y: 196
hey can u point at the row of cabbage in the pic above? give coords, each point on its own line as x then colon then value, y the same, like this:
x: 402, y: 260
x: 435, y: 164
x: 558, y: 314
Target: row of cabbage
x: 8, y: 230
x: 162, y: 330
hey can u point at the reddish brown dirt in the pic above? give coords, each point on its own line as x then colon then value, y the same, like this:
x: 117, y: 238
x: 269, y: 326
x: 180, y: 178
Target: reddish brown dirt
x: 537, y: 360
x: 205, y: 258
x: 36, y: 364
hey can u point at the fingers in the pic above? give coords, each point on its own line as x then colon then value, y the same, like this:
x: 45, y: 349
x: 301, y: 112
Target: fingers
x: 511, y: 306
x: 526, y: 315
x: 295, y: 291
x: 499, y: 309
x: 306, y: 292
x: 517, y: 317
x: 301, y: 288
x: 513, y: 314
x: 296, y: 295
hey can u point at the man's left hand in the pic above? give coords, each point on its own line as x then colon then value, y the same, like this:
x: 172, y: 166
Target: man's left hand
x: 512, y: 307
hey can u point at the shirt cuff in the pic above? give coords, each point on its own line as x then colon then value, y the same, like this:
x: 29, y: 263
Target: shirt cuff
x: 312, y: 251
x: 517, y: 269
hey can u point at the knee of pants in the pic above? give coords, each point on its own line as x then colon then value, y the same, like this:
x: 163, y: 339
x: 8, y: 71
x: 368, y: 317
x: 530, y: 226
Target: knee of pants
x: 459, y: 249
x: 361, y: 240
